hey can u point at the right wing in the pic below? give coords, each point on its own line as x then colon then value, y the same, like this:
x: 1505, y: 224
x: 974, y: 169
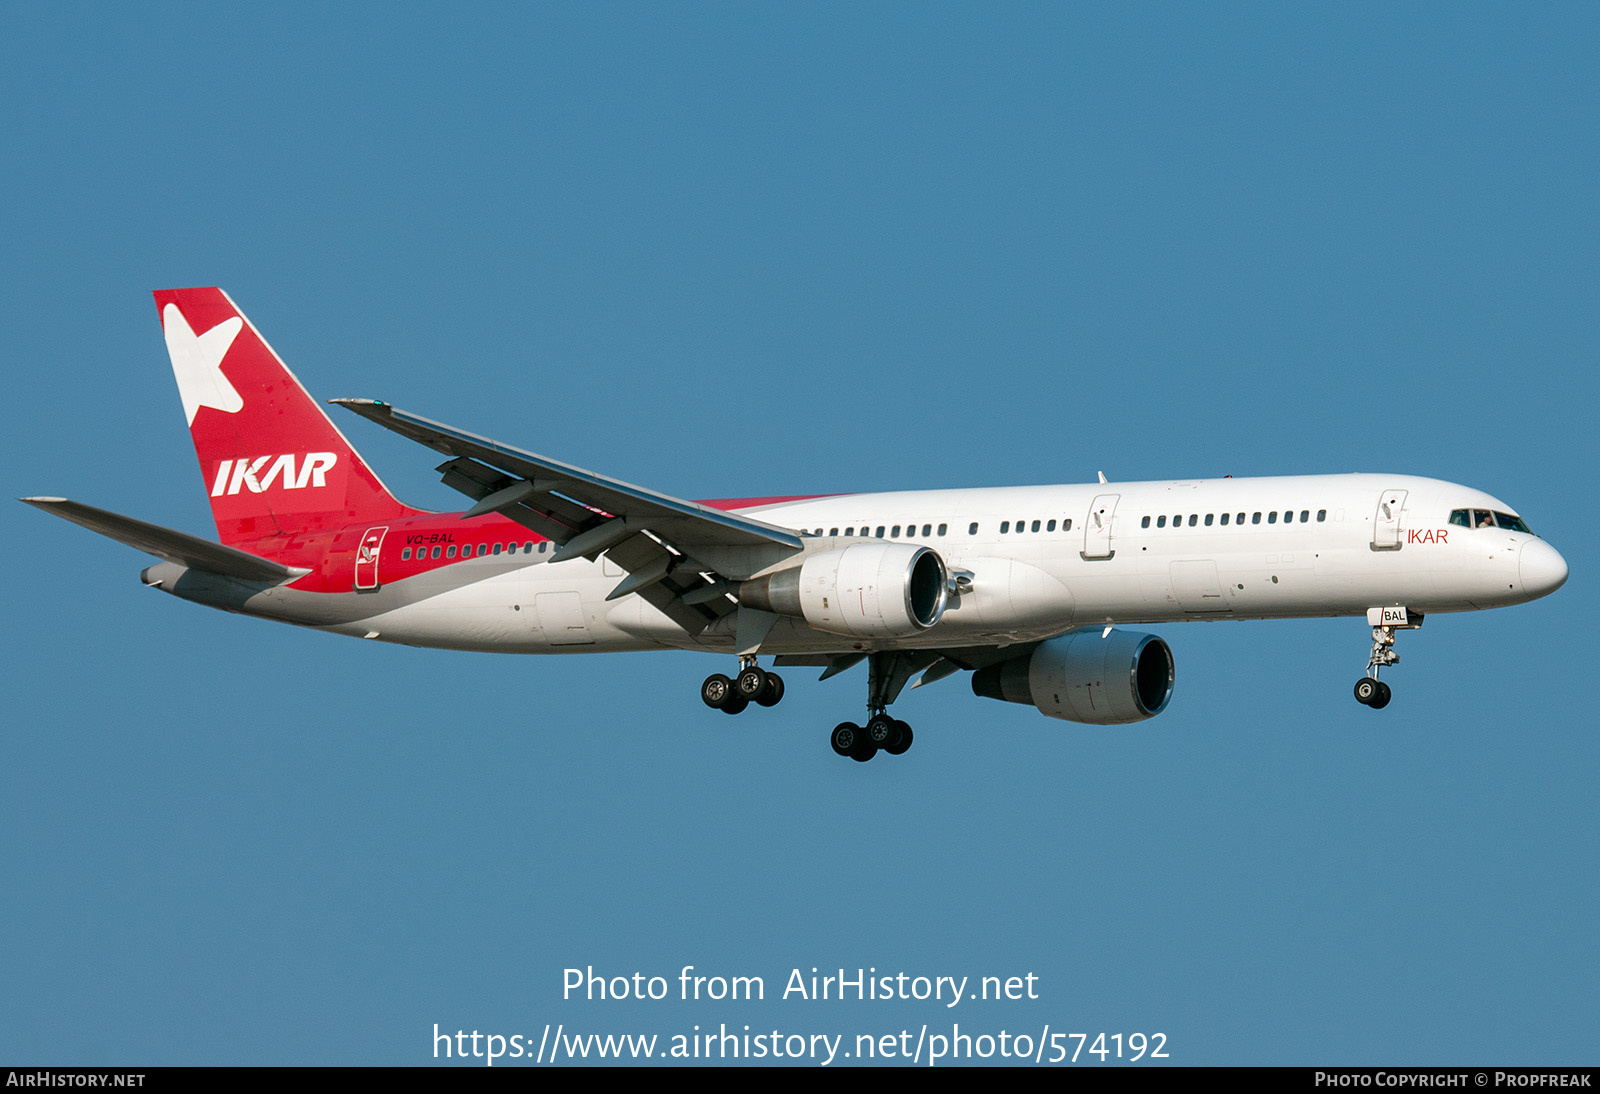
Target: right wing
x: 680, y: 556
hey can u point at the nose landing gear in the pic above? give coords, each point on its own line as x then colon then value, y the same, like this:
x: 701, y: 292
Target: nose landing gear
x: 1371, y: 691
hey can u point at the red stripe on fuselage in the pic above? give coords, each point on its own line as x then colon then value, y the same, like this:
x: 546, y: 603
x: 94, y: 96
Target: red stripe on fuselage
x: 330, y: 556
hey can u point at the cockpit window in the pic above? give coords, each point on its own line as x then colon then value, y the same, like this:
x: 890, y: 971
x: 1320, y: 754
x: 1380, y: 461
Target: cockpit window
x: 1484, y: 518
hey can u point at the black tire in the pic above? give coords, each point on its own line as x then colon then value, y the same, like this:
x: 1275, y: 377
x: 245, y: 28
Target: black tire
x: 735, y: 704
x: 844, y: 737
x: 750, y: 682
x: 1366, y: 690
x: 880, y: 730
x: 1381, y: 700
x: 902, y: 740
x: 864, y: 750
x: 772, y: 694
x: 715, y: 690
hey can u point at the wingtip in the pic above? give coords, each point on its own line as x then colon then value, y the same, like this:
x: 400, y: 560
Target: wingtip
x: 43, y: 501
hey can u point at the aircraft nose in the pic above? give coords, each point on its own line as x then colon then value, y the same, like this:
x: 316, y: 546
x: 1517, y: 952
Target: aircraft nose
x: 1541, y: 568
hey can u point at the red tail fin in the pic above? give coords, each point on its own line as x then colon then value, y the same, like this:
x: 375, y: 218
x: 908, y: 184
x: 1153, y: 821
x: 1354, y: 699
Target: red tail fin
x: 272, y: 460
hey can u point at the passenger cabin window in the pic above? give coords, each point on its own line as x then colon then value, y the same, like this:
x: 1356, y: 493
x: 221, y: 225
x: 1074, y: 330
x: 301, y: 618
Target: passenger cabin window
x: 1225, y: 519
x: 972, y: 529
x: 1255, y: 518
x: 1161, y: 521
x: 1145, y: 523
x: 405, y: 556
x: 943, y: 528
x: 1193, y: 519
x: 1208, y: 520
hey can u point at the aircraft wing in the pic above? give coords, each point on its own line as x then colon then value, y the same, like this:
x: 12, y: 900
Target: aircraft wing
x: 167, y: 543
x: 677, y: 553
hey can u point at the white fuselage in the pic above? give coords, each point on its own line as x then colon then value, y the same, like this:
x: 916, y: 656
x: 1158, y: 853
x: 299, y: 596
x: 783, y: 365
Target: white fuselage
x: 1041, y: 559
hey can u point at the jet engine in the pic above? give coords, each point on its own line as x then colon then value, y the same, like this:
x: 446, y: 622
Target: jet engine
x: 865, y: 590
x: 1082, y: 677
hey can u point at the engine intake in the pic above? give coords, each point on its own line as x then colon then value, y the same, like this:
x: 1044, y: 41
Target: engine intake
x: 1081, y: 677
x: 865, y: 590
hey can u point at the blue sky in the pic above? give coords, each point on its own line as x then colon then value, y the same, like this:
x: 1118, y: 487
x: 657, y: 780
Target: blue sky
x: 731, y: 250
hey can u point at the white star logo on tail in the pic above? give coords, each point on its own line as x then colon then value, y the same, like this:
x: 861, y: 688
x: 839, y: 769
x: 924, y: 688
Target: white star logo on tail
x: 197, y: 362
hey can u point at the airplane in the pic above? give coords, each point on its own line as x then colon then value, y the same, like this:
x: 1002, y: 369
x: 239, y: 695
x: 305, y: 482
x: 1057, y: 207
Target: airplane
x: 1029, y: 588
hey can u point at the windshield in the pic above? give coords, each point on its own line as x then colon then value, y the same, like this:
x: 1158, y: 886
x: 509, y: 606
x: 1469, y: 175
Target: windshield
x: 1486, y: 518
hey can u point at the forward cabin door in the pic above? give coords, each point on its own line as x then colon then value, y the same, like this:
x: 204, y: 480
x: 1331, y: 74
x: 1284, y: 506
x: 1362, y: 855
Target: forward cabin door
x: 1386, y: 522
x: 367, y: 557
x: 1097, y: 528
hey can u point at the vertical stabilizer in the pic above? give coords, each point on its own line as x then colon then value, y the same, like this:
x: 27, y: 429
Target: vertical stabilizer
x: 272, y: 461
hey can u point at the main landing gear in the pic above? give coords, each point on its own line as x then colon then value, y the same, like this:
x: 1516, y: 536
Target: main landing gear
x: 861, y: 743
x: 753, y: 684
x: 887, y: 675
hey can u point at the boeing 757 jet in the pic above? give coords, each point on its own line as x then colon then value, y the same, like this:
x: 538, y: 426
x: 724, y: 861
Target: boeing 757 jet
x: 1028, y: 588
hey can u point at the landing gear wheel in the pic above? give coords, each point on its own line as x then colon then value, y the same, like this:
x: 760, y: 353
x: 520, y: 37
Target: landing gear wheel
x: 901, y: 741
x: 880, y: 730
x: 715, y: 691
x: 772, y: 693
x: 845, y: 737
x: 750, y: 682
x: 1380, y: 700
x: 1367, y: 690
x: 864, y: 750
x: 735, y: 703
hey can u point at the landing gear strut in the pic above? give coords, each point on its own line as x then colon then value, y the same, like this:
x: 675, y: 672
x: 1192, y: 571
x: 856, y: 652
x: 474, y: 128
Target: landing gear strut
x: 887, y: 674
x: 1385, y: 621
x: 753, y: 685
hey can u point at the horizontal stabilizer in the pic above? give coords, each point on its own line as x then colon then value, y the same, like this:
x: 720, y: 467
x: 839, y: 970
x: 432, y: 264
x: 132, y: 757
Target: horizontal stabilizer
x: 174, y: 546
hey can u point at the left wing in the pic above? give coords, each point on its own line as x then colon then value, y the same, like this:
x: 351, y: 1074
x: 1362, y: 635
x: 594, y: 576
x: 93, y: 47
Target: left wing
x: 680, y: 556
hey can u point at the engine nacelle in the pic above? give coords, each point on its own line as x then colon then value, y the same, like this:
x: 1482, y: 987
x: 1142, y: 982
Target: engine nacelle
x: 1081, y: 677
x: 865, y: 590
